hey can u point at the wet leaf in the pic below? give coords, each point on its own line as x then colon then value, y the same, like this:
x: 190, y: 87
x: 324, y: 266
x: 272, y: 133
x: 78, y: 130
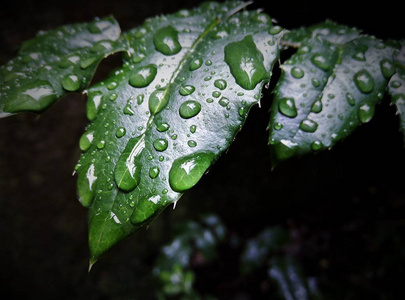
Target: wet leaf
x: 55, y: 63
x: 181, y: 96
x: 326, y: 90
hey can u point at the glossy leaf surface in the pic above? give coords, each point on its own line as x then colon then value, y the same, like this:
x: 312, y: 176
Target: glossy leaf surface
x: 54, y: 63
x: 327, y: 89
x: 160, y: 121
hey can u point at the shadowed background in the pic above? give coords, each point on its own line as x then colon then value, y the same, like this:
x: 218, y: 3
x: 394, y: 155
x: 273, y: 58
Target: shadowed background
x: 348, y: 204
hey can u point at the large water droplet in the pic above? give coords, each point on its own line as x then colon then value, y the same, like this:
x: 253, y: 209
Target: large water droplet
x: 93, y: 105
x: 128, y: 170
x: 246, y: 63
x: 158, y: 100
x: 143, y: 76
x: 160, y: 144
x: 85, y: 186
x: 220, y: 83
x: 86, y: 140
x: 187, y: 171
x: 364, y: 81
x: 366, y: 113
x: 71, y: 83
x: 36, y: 98
x: 308, y: 125
x: 321, y: 62
x: 287, y: 107
x: 166, y: 41
x: 189, y: 109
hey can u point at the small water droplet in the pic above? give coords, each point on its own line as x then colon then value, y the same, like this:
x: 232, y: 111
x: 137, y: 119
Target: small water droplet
x: 93, y: 105
x: 101, y: 144
x: 316, y: 145
x: 143, y: 76
x: 189, y: 109
x: 193, y: 128
x: 71, y: 83
x: 287, y: 107
x: 112, y: 85
x: 120, y: 132
x: 162, y: 127
x: 364, y: 81
x: 297, y: 72
x: 86, y: 140
x: 387, y: 68
x: 350, y: 99
x: 278, y: 126
x: 223, y: 102
x: 315, y: 82
x: 187, y: 171
x: 160, y: 145
x: 154, y: 172
x: 192, y: 143
x: 186, y: 90
x: 366, y: 113
x: 166, y: 41
x: 316, y: 107
x: 196, y: 64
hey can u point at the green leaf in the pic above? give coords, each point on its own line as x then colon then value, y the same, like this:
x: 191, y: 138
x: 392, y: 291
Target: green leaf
x: 396, y: 86
x: 55, y: 63
x: 325, y: 91
x: 182, y: 94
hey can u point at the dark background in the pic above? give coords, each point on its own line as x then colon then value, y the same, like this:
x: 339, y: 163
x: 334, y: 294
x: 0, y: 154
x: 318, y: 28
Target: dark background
x: 347, y: 204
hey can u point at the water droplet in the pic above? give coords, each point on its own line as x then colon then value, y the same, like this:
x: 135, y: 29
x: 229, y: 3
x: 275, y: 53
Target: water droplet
x: 162, y: 127
x: 120, y: 132
x: 196, y: 64
x: 366, y: 113
x: 71, y: 83
x: 316, y: 145
x: 316, y: 107
x: 143, y: 76
x: 189, y: 109
x: 38, y: 96
x: 128, y: 170
x: 160, y: 145
x: 297, y: 72
x: 193, y: 128
x: 93, y: 105
x: 101, y: 144
x: 220, y: 34
x: 278, y: 126
x: 158, y: 100
x: 220, y: 83
x: 223, y: 101
x: 315, y: 82
x: 192, y: 143
x: 275, y: 30
x: 86, y: 140
x: 85, y: 63
x: 246, y: 63
x: 166, y: 41
x: 154, y: 172
x: 321, y: 62
x: 112, y: 85
x: 187, y: 171
x: 186, y: 90
x: 350, y: 99
x: 216, y: 94
x: 113, y: 96
x: 287, y: 107
x: 85, y: 186
x: 308, y: 125
x: 364, y: 81
x: 139, y: 99
x: 387, y: 68
x: 360, y: 55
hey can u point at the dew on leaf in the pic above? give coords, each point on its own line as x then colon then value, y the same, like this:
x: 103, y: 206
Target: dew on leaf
x: 297, y: 72
x: 120, y: 132
x: 287, y: 107
x: 196, y: 64
x: 321, y: 62
x: 246, y: 63
x: 158, y: 100
x: 160, y: 145
x: 316, y: 145
x: 308, y: 125
x: 154, y: 172
x: 387, y: 68
x: 162, y: 127
x: 166, y: 41
x: 186, y: 90
x: 86, y: 140
x: 71, y: 83
x: 350, y: 99
x: 220, y: 83
x: 366, y: 113
x: 364, y: 81
x: 192, y: 143
x: 127, y: 172
x: 85, y: 186
x: 317, y: 106
x: 189, y: 109
x: 187, y: 171
x: 143, y: 76
x: 93, y: 105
